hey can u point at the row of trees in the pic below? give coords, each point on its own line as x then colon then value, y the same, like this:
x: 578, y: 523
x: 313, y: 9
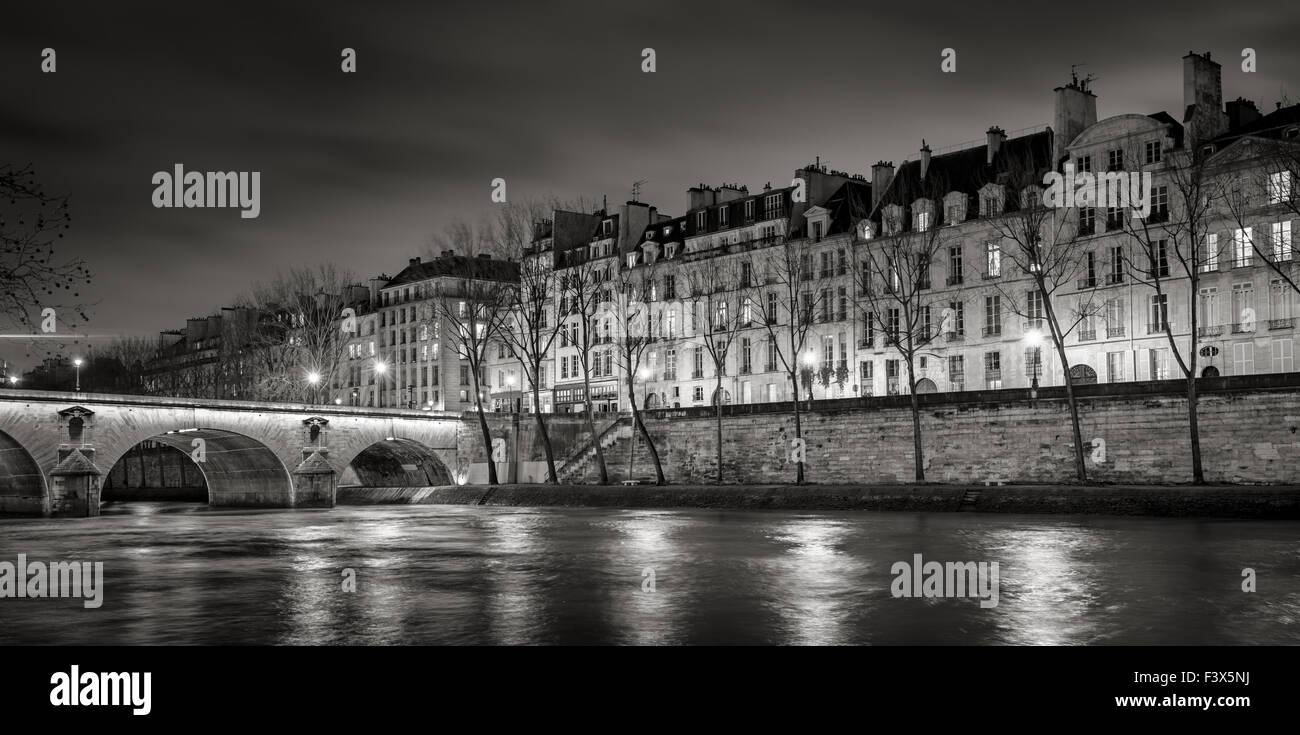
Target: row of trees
x: 1052, y: 278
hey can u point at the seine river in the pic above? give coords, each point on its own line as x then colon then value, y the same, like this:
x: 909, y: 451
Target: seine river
x: 177, y: 573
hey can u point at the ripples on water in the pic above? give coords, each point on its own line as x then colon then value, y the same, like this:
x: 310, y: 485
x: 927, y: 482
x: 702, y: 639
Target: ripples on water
x: 185, y: 574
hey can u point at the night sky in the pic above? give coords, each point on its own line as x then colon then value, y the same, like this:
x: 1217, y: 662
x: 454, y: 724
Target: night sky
x: 361, y: 169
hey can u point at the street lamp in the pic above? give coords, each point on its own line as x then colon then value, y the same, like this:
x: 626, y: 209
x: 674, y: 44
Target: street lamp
x: 13, y: 380
x: 1034, y: 339
x: 809, y: 359
x: 76, y: 363
x: 380, y: 369
x: 313, y: 378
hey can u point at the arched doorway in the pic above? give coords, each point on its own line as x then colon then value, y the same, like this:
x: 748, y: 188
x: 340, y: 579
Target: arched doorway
x: 22, y: 484
x: 925, y: 385
x: 1210, y: 371
x: 234, y: 469
x: 726, y: 397
x: 1082, y: 375
x: 395, y: 462
x: 652, y: 400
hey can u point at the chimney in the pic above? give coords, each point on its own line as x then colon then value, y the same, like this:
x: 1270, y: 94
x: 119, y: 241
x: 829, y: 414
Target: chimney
x: 731, y: 192
x: 701, y: 196
x: 448, y: 253
x: 881, y: 174
x: 485, y: 256
x: 1202, y: 98
x: 1076, y: 109
x: 1241, y: 112
x: 415, y: 261
x: 376, y: 284
x: 925, y: 158
x: 995, y: 136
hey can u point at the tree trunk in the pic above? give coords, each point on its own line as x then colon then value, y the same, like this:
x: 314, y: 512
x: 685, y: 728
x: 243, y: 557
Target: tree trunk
x: 798, y: 427
x: 916, y: 424
x: 541, y: 428
x: 591, y: 422
x: 1198, y: 473
x: 718, y: 409
x: 1080, y: 470
x: 645, y: 433
x: 487, y: 435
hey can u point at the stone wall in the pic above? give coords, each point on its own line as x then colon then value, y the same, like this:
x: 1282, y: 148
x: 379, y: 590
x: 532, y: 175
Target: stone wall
x: 1248, y: 435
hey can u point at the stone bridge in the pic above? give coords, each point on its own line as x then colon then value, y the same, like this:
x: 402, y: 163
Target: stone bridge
x: 56, y: 447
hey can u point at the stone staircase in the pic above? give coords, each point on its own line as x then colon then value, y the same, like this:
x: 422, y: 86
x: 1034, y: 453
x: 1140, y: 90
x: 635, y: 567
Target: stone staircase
x: 583, y: 462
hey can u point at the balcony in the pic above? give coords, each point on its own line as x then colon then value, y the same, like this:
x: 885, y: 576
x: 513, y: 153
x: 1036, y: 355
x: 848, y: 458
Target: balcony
x: 993, y: 375
x: 1281, y: 323
x: 1088, y: 229
x: 1158, y: 328
x: 954, y: 280
x: 1087, y: 335
x: 992, y: 331
x: 1158, y: 215
x: 697, y: 374
x: 864, y: 343
x: 954, y: 336
x: 1086, y: 283
x: 1114, y: 278
x: 1033, y: 324
x: 1243, y: 328
x: 670, y: 375
x: 990, y: 276
x: 1213, y: 331
x: 1112, y: 332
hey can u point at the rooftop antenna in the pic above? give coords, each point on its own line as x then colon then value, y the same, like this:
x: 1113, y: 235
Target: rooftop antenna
x: 1074, y: 77
x: 636, y: 189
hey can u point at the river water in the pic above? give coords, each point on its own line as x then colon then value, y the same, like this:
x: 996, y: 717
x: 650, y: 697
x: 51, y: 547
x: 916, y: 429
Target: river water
x: 177, y: 573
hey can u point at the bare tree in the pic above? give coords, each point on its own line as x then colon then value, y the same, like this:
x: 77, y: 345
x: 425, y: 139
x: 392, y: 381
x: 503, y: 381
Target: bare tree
x: 133, y: 354
x: 722, y: 306
x: 788, y: 303
x: 1039, y: 239
x: 893, y: 287
x: 637, y: 324
x: 584, y: 285
x: 1175, y: 229
x: 301, y: 346
x: 33, y: 277
x: 533, y: 318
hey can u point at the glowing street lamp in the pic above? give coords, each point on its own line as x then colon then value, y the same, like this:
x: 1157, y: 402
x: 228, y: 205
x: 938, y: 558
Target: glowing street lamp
x: 313, y: 379
x: 1034, y: 339
x: 13, y: 380
x: 380, y: 368
x: 76, y: 363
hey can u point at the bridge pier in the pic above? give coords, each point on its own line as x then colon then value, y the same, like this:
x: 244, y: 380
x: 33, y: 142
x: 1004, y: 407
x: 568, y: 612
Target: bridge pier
x: 74, y: 486
x: 315, y: 485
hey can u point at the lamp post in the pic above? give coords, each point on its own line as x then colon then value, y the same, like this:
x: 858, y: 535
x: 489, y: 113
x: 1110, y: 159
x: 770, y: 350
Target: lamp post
x: 1034, y: 339
x: 380, y: 369
x: 809, y: 359
x: 13, y: 380
x: 313, y: 378
x: 76, y: 363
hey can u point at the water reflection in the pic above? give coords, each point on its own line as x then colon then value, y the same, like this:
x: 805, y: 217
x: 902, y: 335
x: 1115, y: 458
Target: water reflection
x: 185, y: 574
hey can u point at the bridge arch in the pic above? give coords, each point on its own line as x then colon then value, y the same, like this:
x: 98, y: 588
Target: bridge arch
x: 23, y: 489
x: 396, y: 462
x: 237, y: 469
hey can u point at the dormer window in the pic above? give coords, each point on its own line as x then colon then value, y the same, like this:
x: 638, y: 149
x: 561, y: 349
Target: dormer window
x: 991, y: 197
x: 608, y: 227
x: 892, y: 219
x: 671, y: 250
x: 749, y: 210
x: 954, y: 207
x: 631, y: 260
x: 722, y: 217
x: 923, y: 215
x: 668, y: 231
x: 701, y: 222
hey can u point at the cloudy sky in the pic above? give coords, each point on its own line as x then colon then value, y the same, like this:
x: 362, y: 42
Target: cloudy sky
x: 360, y: 169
